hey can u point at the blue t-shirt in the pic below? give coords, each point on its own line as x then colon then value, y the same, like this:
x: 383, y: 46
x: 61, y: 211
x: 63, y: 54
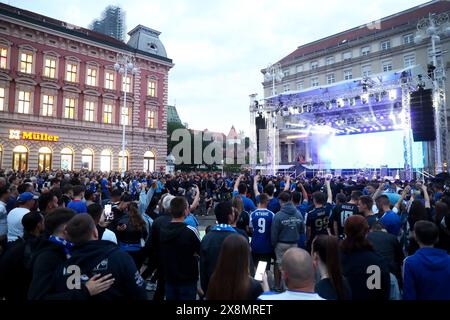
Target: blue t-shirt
x: 273, y: 205
x: 104, y: 184
x: 318, y: 219
x: 391, y: 222
x: 191, y: 220
x: 248, y: 204
x: 78, y: 206
x: 261, y: 223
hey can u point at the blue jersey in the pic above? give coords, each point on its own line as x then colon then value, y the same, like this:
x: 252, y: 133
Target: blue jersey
x: 261, y: 223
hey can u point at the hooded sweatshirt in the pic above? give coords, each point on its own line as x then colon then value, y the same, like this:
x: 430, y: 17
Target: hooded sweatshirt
x: 427, y: 275
x: 287, y: 226
x: 180, y: 248
x: 103, y: 257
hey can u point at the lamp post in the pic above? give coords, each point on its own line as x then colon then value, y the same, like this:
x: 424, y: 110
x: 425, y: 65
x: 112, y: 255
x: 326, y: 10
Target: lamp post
x: 273, y: 73
x: 434, y: 26
x: 125, y: 64
x: 222, y: 167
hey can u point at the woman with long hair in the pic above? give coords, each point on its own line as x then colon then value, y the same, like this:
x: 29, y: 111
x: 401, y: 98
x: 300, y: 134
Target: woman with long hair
x: 361, y: 265
x: 131, y: 233
x: 325, y: 254
x: 242, y: 220
x: 231, y: 279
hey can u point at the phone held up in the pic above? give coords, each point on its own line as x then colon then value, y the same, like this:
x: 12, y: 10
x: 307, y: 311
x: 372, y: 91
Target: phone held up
x: 108, y: 212
x: 260, y: 270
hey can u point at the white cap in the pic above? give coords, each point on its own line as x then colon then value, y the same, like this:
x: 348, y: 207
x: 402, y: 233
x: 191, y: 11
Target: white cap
x: 166, y: 201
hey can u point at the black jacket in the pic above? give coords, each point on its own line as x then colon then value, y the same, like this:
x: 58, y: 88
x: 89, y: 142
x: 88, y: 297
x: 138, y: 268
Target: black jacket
x: 355, y: 267
x: 48, y: 257
x: 103, y: 257
x: 180, y: 248
x: 209, y: 253
x: 15, y: 268
x: 159, y: 223
x: 387, y: 246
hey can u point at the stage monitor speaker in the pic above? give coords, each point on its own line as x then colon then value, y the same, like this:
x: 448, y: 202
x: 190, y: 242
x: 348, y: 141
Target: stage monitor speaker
x: 422, y: 115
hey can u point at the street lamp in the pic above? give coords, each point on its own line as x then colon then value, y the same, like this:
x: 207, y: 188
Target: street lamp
x: 125, y: 63
x: 273, y: 73
x: 434, y: 26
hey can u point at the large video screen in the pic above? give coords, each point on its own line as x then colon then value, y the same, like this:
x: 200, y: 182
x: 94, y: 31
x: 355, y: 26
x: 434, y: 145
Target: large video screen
x: 369, y: 150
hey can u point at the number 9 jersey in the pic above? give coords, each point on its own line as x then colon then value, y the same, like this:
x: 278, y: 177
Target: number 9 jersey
x: 261, y: 223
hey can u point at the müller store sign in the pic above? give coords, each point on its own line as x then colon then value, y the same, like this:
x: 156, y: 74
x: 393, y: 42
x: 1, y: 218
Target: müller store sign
x: 29, y: 135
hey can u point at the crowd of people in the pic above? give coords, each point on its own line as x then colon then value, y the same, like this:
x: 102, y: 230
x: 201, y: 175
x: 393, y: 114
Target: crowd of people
x: 93, y: 235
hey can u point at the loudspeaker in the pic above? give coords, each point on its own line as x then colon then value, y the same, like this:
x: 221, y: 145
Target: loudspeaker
x: 260, y: 124
x: 422, y: 115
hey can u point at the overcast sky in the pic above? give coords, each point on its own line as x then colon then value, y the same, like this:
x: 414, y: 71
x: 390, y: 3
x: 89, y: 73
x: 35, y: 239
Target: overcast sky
x: 220, y: 46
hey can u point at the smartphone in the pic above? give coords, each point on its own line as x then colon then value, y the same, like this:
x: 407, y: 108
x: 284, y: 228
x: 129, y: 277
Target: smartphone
x: 260, y: 270
x: 108, y: 212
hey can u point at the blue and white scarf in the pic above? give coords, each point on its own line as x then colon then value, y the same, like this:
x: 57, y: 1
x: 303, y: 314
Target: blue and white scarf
x: 67, y: 245
x: 223, y: 227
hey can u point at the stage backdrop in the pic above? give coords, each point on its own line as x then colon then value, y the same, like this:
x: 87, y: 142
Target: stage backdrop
x: 368, y: 150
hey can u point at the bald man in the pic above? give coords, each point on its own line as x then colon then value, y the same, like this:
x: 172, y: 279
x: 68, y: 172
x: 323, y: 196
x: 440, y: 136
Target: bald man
x: 297, y: 271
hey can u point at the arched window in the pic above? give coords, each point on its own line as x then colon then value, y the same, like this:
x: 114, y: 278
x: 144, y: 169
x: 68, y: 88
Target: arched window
x: 67, y: 159
x: 126, y: 160
x: 105, y: 160
x: 149, y: 161
x: 87, y: 159
x: 20, y: 158
x: 45, y: 159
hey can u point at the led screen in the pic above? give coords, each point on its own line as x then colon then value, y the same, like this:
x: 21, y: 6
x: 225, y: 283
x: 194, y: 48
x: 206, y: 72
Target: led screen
x: 371, y: 150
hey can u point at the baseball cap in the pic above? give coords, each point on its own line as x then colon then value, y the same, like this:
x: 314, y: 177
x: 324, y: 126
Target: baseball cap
x: 26, y: 196
x: 166, y: 201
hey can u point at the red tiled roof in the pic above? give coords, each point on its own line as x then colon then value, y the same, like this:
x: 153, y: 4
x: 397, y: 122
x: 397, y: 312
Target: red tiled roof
x: 413, y: 14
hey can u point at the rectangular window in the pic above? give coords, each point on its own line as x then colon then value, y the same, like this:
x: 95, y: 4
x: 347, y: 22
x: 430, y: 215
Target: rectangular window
x: 330, y: 78
x: 91, y: 76
x: 69, y: 108
x: 286, y: 73
x: 125, y: 116
x: 409, y: 60
x: 3, y: 58
x: 300, y: 85
x: 408, y: 38
x: 24, y: 102
x: 347, y: 55
x: 126, y: 85
x: 366, y: 71
x: 386, y: 45
x: 89, y: 111
x: 50, y: 68
x: 299, y: 68
x: 315, y: 82
x: 109, y: 80
x: 438, y: 50
x: 286, y: 88
x: 151, y: 119
x: 365, y: 51
x: 48, y: 103
x: 387, y: 66
x: 2, y: 99
x: 314, y: 65
x: 71, y: 72
x: 107, y: 113
x: 329, y: 61
x: 26, y: 62
x: 151, y: 88
x: 348, y: 75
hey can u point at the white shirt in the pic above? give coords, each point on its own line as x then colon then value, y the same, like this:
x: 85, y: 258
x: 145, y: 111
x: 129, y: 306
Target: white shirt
x: 14, y: 221
x: 290, y: 295
x: 3, y: 215
x: 109, y: 235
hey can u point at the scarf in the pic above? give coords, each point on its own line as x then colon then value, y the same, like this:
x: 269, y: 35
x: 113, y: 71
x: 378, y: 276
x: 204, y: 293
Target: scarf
x: 223, y: 227
x: 67, y: 245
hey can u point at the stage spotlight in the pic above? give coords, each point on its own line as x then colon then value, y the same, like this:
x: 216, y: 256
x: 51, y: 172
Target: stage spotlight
x: 381, y: 117
x: 366, y: 119
x: 340, y: 102
x: 365, y: 98
x: 392, y: 94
